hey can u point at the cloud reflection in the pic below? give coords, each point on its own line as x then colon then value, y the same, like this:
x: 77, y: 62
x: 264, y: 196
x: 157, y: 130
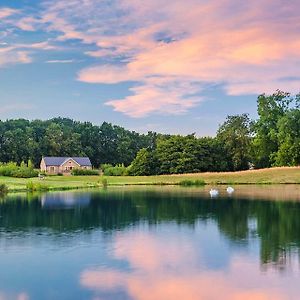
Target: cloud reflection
x: 164, y: 269
x: 19, y: 296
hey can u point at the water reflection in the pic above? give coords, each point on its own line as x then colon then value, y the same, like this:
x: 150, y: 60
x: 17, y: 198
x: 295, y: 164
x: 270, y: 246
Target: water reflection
x: 167, y: 271
x: 64, y: 200
x: 276, y: 224
x: 151, y: 243
x: 18, y: 296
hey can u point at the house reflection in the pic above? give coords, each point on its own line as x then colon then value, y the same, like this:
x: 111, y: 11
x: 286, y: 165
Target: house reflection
x: 65, y: 200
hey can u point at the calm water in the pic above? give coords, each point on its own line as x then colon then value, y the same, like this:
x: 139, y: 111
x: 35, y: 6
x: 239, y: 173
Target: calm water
x: 151, y: 243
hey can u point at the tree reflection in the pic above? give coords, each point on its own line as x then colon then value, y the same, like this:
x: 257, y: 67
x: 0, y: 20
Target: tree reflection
x: 277, y: 224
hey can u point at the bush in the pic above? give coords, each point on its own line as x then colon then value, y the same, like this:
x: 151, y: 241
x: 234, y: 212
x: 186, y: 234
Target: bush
x: 3, y: 189
x: 11, y: 169
x: 198, y: 182
x: 103, y: 167
x: 36, y: 187
x: 84, y: 172
x: 118, y: 170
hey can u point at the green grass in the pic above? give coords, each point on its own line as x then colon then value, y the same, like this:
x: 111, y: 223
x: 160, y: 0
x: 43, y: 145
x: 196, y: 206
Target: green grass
x: 265, y: 176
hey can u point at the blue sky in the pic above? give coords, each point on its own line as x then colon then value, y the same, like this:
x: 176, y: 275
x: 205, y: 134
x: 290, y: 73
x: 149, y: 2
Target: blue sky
x: 175, y: 67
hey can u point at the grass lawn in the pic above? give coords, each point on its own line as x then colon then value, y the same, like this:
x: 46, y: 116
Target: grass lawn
x: 286, y: 175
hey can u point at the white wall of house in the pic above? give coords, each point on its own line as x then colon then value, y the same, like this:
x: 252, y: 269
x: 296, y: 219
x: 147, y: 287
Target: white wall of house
x: 68, y: 166
x: 52, y: 170
x: 43, y: 165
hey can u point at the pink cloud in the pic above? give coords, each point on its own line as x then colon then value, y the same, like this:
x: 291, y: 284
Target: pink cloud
x: 7, y: 12
x: 249, y: 47
x: 10, y: 55
x: 241, y: 45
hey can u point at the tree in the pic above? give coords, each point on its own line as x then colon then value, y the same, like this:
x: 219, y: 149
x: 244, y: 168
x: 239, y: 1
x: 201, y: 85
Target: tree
x: 53, y: 140
x: 236, y: 135
x: 21, y: 140
x: 145, y: 163
x: 270, y: 109
x: 289, y: 139
x: 177, y: 154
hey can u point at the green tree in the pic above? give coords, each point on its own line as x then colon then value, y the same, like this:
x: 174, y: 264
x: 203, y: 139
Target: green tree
x: 289, y: 139
x: 270, y: 109
x: 236, y: 135
x: 177, y: 154
x: 145, y: 163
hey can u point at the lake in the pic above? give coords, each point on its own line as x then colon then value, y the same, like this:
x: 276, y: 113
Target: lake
x: 151, y: 243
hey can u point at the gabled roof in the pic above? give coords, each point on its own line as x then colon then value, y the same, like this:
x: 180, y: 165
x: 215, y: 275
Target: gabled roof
x: 58, y: 161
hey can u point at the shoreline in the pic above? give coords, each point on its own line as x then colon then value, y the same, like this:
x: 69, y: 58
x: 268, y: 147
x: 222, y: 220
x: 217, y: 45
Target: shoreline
x: 272, y: 176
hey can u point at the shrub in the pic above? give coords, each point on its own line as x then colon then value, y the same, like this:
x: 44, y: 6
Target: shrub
x: 103, y: 167
x: 84, y: 172
x: 3, y: 189
x: 36, y: 187
x: 198, y: 182
x: 118, y: 170
x: 11, y: 169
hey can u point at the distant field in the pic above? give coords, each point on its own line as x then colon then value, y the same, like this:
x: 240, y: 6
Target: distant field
x: 284, y: 175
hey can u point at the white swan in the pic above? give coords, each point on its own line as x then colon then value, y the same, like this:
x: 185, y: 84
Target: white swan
x: 214, y: 193
x: 230, y: 190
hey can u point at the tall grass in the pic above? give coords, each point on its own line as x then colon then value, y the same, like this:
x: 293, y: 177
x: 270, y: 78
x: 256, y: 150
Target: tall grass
x: 104, y: 182
x: 36, y: 187
x: 3, y: 189
x: 197, y: 182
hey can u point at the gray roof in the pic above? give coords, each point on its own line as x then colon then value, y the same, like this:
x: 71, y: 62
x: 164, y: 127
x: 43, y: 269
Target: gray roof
x: 57, y: 161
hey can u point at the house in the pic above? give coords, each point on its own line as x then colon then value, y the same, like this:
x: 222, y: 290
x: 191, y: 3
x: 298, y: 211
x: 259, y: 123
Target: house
x: 64, y: 165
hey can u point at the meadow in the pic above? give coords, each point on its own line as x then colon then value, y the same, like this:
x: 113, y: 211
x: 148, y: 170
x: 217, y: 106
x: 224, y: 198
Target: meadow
x: 283, y: 175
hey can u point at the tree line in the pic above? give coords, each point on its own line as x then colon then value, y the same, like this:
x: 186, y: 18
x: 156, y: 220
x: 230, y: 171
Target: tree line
x: 241, y: 143
x: 23, y: 140
x: 271, y: 140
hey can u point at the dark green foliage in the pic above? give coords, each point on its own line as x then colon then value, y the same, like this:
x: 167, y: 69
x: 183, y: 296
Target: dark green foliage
x: 271, y: 108
x: 83, y: 172
x: 273, y: 140
x: 21, y: 140
x: 181, y: 154
x: 118, y: 170
x: 289, y: 139
x: 13, y: 170
x: 145, y: 163
x: 236, y: 136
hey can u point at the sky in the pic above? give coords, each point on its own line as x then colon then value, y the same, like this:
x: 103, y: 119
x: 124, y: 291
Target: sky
x: 170, y: 66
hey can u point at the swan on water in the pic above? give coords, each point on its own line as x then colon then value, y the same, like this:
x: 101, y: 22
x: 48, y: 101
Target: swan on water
x: 230, y: 190
x: 214, y: 193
